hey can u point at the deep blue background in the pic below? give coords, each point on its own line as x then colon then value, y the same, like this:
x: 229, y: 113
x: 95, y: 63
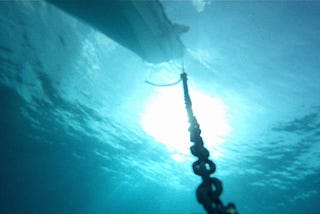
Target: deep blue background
x: 71, y: 101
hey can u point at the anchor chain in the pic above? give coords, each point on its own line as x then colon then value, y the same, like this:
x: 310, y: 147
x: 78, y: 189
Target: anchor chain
x: 209, y: 191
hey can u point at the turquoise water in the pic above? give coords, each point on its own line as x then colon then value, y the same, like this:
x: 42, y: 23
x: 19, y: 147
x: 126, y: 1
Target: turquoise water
x: 81, y: 131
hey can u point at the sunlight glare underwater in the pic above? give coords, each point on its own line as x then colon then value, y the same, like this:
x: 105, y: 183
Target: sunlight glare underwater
x: 165, y: 119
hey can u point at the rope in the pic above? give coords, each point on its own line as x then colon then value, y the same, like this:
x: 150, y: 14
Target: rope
x: 169, y: 84
x: 163, y: 85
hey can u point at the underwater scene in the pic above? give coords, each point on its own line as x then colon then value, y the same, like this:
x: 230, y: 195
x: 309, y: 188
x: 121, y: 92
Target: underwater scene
x: 93, y: 116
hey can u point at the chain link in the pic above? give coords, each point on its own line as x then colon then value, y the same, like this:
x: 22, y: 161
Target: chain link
x: 209, y: 191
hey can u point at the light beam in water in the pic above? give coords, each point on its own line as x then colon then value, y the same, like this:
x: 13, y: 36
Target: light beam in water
x: 165, y: 119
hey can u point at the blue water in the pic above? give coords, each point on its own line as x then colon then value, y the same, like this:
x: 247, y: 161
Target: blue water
x: 72, y: 104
